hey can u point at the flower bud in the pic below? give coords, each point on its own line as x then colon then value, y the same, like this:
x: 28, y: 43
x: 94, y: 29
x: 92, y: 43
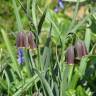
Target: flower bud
x: 80, y: 49
x: 21, y: 40
x: 70, y: 55
x: 31, y: 41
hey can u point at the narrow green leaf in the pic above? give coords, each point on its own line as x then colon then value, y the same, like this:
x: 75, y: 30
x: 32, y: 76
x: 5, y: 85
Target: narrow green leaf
x: 41, y: 21
x: 34, y: 13
x: 83, y: 65
x: 19, y: 24
x: 7, y: 43
x: 47, y: 52
x: 8, y: 81
x: 74, y: 80
x: 70, y: 71
x: 64, y: 83
x: 28, y: 7
x: 3, y: 85
x: 74, y: 16
x: 25, y: 86
x: 46, y: 85
x: 88, y: 38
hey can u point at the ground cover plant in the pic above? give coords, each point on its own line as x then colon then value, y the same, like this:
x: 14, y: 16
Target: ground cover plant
x: 47, y: 48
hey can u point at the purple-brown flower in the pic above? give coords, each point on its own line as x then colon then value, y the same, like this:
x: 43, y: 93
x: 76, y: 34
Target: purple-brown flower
x: 31, y: 41
x: 70, y: 55
x: 21, y: 40
x: 80, y: 49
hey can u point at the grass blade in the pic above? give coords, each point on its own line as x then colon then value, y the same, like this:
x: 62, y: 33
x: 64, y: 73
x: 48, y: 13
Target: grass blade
x: 28, y: 83
x: 7, y: 43
x: 19, y: 24
x: 34, y: 13
x: 41, y: 21
x: 88, y: 38
x: 46, y: 85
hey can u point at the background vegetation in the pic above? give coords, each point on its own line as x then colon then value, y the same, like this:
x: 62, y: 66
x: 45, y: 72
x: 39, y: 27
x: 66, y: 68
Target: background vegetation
x: 45, y: 70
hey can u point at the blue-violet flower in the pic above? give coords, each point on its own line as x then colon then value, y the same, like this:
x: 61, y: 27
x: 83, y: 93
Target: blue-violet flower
x: 60, y: 2
x: 20, y: 56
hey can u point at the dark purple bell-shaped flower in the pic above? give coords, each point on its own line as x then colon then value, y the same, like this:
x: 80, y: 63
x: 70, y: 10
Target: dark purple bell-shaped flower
x: 21, y: 40
x: 31, y: 41
x: 70, y: 55
x: 80, y: 49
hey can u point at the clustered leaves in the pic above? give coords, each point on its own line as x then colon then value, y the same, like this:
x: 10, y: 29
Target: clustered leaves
x: 46, y: 73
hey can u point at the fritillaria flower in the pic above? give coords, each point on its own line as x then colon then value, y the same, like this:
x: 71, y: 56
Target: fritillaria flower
x: 24, y: 41
x: 70, y: 55
x: 21, y: 40
x: 31, y: 41
x: 80, y: 49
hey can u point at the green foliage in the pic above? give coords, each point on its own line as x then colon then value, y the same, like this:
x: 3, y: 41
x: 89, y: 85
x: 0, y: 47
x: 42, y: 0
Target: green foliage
x: 45, y: 70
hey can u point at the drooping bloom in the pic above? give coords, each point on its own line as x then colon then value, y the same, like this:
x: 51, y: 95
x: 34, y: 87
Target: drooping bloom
x: 70, y: 55
x: 21, y: 40
x: 80, y: 49
x: 20, y: 56
x: 31, y: 41
x: 24, y: 41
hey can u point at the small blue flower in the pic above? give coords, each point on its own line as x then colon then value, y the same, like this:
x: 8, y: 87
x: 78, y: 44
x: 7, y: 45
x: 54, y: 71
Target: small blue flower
x: 59, y: 6
x: 20, y: 56
x: 20, y: 52
x: 56, y: 9
x: 60, y: 2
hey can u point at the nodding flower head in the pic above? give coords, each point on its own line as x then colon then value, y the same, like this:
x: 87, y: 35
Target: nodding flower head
x: 60, y: 2
x: 70, y: 55
x: 80, y: 49
x: 31, y: 41
x: 21, y: 40
x: 20, y: 56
